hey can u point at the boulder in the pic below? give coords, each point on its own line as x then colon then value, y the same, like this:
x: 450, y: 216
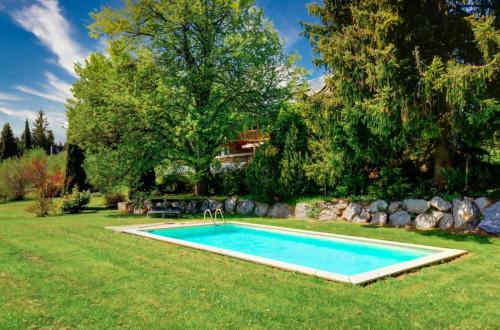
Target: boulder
x: 394, y: 207
x: 378, y: 206
x: 426, y: 221
x: 482, y: 203
x: 351, y: 211
x: 330, y: 214
x: 465, y: 214
x: 181, y: 205
x: 191, y: 207
x: 280, y: 210
x: 148, y: 205
x: 230, y: 204
x: 446, y: 221
x: 416, y: 206
x: 123, y: 206
x: 440, y: 204
x: 341, y: 204
x: 491, y: 221
x: 211, y: 204
x: 245, y: 207
x: 379, y: 218
x: 363, y: 217
x: 261, y: 209
x: 400, y: 219
x: 302, y: 211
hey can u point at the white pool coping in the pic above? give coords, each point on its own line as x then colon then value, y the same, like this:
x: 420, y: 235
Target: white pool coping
x: 439, y: 254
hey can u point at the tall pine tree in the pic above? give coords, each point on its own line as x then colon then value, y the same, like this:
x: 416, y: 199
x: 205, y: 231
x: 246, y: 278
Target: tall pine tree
x: 8, y: 145
x: 40, y: 131
x: 26, y: 137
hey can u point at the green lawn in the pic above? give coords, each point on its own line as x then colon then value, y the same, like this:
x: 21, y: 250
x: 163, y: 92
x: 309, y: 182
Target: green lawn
x: 65, y: 272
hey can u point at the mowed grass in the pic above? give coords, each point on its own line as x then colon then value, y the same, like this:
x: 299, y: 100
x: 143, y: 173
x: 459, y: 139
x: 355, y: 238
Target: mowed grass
x: 68, y: 271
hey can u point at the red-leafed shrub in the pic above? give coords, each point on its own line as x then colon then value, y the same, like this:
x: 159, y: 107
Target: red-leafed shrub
x: 46, y: 185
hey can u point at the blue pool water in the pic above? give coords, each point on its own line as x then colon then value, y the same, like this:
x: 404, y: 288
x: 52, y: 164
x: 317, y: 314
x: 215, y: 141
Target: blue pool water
x: 321, y: 253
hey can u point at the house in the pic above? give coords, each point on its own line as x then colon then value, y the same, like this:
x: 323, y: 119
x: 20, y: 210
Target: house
x: 242, y: 149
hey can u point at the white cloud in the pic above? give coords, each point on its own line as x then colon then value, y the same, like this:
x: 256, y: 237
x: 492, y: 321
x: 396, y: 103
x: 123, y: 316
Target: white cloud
x: 9, y: 97
x: 18, y: 113
x: 54, y: 89
x: 45, y: 20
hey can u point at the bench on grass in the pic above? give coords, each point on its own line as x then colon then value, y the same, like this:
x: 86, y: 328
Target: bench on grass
x: 164, y: 208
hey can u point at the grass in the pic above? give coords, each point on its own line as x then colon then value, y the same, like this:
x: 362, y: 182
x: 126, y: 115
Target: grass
x: 67, y: 271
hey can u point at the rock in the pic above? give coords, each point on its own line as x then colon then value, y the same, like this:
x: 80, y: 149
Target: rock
x: 379, y: 218
x: 417, y: 206
x: 446, y: 221
x: 440, y: 204
x: 302, y: 211
x: 230, y: 204
x: 363, y: 217
x: 482, y: 203
x: 400, y: 219
x: 245, y: 207
x: 341, y: 204
x: 351, y: 211
x: 123, y: 206
x: 181, y: 205
x: 329, y: 214
x: 378, y: 206
x: 280, y: 210
x: 211, y: 204
x: 425, y: 221
x: 491, y: 221
x: 394, y: 207
x: 465, y: 214
x: 191, y: 207
x: 438, y: 215
x: 261, y: 209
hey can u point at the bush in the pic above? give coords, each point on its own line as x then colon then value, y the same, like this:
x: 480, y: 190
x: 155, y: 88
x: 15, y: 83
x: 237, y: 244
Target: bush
x: 390, y: 184
x: 76, y: 201
x: 263, y: 173
x: 111, y: 200
x: 14, y: 177
x: 227, y: 179
x: 46, y: 185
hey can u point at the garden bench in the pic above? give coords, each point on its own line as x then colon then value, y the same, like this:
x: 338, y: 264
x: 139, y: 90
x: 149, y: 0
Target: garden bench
x: 164, y: 208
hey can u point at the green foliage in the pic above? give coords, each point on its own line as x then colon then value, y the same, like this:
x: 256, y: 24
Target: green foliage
x: 228, y: 181
x: 8, y: 145
x: 182, y: 77
x: 40, y: 135
x: 174, y: 177
x: 455, y: 179
x: 111, y: 200
x: 293, y: 179
x: 75, y: 173
x: 76, y: 201
x: 409, y: 82
x: 263, y: 172
x: 15, y: 177
x: 390, y: 184
x: 26, y: 137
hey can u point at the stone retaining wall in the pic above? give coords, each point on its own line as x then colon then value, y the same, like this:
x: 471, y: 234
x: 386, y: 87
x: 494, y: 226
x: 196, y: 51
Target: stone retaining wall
x: 463, y: 214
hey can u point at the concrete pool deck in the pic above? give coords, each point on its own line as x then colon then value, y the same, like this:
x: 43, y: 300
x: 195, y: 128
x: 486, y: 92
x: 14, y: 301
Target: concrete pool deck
x: 438, y: 254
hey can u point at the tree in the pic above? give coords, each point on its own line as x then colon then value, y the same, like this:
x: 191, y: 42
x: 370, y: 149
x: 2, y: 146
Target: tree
x: 389, y: 95
x: 26, y: 137
x: 75, y: 175
x: 8, y: 145
x: 293, y: 179
x: 50, y: 141
x: 218, y: 62
x: 40, y: 127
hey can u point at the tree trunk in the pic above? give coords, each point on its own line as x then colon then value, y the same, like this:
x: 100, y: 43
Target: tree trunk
x: 442, y: 160
x: 201, y: 187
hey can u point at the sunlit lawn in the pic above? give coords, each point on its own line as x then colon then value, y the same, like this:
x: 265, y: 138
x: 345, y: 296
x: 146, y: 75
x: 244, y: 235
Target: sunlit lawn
x: 69, y: 272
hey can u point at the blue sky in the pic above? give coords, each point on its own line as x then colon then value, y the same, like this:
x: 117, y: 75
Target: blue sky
x: 41, y: 39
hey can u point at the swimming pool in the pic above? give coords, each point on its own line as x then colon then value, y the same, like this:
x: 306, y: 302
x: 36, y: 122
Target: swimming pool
x: 334, y: 257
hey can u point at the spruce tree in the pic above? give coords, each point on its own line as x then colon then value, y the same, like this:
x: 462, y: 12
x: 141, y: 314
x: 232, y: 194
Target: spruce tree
x: 50, y: 141
x: 40, y: 131
x: 8, y: 145
x: 26, y: 137
x: 293, y: 179
x: 75, y: 173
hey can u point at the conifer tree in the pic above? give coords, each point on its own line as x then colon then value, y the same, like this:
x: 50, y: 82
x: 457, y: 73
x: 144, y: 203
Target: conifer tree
x: 8, y: 145
x: 40, y: 131
x: 26, y: 137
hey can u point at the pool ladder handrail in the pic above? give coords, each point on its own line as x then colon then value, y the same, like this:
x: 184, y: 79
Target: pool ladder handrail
x: 214, y: 219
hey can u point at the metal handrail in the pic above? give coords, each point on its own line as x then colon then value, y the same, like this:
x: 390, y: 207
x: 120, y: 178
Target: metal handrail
x: 210, y: 213
x: 221, y: 215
